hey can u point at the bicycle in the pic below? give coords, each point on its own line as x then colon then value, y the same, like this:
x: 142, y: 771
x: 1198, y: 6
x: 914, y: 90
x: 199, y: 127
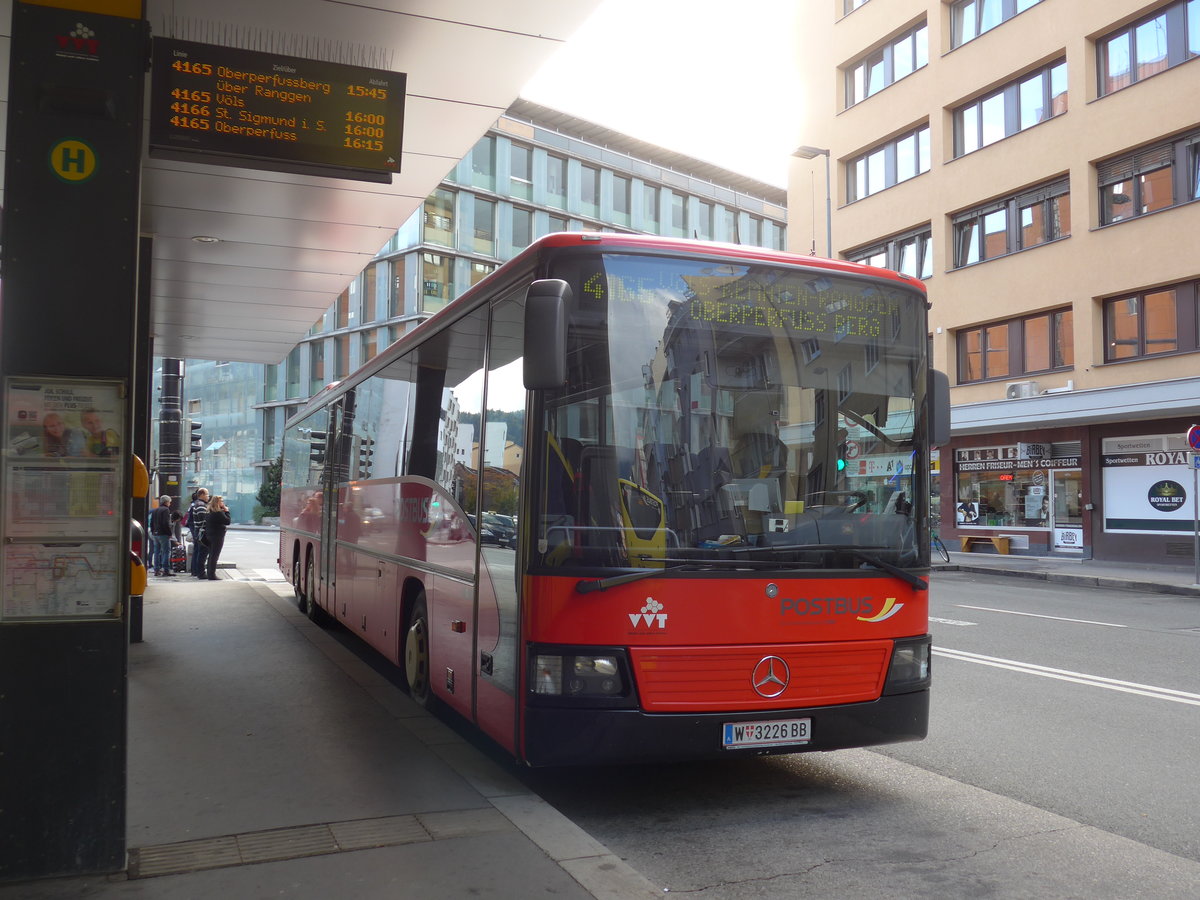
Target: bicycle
x: 936, y: 546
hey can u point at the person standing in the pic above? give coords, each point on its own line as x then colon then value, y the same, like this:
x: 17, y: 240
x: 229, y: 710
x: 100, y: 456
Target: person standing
x: 196, y: 515
x: 160, y: 537
x: 214, y: 527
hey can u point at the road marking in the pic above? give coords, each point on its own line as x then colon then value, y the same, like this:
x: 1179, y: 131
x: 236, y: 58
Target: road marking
x: 1111, y: 684
x: 1013, y: 612
x: 951, y: 621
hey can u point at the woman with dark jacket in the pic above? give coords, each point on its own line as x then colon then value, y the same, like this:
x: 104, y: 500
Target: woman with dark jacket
x: 214, y: 532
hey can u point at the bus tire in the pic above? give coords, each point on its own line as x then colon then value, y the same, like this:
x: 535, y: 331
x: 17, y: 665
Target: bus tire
x: 416, y: 653
x: 298, y: 584
x: 316, y: 615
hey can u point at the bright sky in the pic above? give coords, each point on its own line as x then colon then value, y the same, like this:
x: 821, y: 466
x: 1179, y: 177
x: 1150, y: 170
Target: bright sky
x: 709, y: 78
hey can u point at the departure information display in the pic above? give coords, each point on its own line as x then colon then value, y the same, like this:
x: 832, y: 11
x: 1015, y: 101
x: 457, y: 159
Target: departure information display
x: 229, y: 106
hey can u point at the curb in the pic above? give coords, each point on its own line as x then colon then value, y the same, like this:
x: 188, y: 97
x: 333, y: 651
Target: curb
x: 1104, y: 581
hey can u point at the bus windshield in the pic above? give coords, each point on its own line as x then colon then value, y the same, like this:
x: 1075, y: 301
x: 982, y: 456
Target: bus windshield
x: 733, y: 414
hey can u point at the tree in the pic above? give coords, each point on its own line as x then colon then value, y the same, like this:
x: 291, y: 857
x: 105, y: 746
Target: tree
x: 268, y: 494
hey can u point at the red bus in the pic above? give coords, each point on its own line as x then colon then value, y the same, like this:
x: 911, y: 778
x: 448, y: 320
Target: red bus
x: 632, y: 498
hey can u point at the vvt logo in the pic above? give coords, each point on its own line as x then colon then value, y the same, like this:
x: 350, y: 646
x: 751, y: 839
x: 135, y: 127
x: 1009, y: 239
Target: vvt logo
x: 651, y: 615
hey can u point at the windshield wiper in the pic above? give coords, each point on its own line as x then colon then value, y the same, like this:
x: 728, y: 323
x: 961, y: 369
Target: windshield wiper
x: 603, y: 584
x: 903, y: 574
x: 870, y: 558
x: 694, y: 565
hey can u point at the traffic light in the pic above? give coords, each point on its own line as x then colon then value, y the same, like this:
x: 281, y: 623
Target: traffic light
x: 841, y: 457
x: 316, y: 448
x: 196, y: 443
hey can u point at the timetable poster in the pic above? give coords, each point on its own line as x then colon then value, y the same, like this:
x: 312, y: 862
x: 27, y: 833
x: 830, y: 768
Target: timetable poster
x: 62, y: 458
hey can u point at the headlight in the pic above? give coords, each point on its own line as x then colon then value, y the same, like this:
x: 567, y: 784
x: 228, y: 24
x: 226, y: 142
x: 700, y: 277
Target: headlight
x: 581, y: 676
x: 910, y: 668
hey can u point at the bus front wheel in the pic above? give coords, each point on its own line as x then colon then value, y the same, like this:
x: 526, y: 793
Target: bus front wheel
x: 416, y: 653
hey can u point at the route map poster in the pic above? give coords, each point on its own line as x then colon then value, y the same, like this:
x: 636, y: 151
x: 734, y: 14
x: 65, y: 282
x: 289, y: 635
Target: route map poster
x: 63, y: 484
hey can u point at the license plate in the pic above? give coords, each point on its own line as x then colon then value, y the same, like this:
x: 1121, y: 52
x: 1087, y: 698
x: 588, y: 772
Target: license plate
x: 776, y: 733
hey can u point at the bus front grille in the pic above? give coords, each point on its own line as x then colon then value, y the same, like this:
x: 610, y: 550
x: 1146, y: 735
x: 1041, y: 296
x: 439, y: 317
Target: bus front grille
x: 713, y: 679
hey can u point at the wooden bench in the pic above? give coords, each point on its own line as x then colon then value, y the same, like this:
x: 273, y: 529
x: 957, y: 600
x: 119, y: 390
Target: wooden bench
x: 1000, y: 542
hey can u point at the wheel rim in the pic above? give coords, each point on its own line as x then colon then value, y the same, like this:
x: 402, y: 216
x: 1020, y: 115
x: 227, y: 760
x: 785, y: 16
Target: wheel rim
x: 416, y: 658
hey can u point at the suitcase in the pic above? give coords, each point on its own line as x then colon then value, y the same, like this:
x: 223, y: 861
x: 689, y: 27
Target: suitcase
x: 179, y: 560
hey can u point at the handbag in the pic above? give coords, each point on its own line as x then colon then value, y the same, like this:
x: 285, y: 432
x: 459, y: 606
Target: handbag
x: 204, y: 539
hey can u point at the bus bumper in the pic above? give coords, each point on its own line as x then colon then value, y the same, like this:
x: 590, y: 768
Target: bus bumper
x: 573, y: 737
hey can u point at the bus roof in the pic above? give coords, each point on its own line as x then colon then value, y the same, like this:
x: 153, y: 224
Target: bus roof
x: 594, y: 241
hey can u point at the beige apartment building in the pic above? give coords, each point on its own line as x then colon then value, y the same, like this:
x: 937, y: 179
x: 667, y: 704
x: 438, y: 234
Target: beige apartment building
x: 1037, y: 164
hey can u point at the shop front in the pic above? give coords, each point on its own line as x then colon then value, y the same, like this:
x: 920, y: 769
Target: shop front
x: 1147, y: 497
x: 1028, y: 494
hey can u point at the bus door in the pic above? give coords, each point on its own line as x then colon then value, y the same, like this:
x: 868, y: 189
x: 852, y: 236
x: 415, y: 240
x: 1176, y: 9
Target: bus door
x: 335, y: 485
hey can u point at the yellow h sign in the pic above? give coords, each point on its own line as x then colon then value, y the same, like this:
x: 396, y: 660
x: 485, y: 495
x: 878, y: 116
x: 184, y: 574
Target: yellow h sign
x: 73, y: 161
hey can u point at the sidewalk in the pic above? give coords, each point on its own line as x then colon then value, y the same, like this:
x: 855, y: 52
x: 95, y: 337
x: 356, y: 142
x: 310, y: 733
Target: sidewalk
x: 267, y: 760
x: 1086, y: 572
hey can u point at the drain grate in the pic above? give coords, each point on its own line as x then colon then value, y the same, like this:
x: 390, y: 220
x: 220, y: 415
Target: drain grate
x: 307, y: 840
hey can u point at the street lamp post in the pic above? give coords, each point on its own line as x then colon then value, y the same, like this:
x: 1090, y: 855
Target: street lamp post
x: 807, y: 152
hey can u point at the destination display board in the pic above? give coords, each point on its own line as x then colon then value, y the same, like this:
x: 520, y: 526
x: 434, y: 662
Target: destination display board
x: 228, y: 106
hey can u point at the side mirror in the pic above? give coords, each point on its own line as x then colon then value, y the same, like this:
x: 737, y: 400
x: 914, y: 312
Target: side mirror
x: 939, y: 408
x: 546, y: 334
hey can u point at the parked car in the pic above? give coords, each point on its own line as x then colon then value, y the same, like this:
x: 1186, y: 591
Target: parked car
x: 498, y: 529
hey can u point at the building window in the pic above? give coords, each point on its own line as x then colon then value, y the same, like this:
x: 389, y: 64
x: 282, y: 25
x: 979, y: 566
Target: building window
x: 439, y: 218
x: 1021, y: 104
x: 849, y: 6
x: 888, y: 164
x: 678, y: 217
x: 1145, y: 181
x: 522, y: 228
x: 589, y: 191
x: 483, y: 163
x: 367, y: 345
x: 1148, y: 323
x: 887, y: 65
x: 396, y: 299
x: 971, y: 18
x: 480, y: 271
x: 649, y: 208
x: 520, y: 171
x: 316, y: 368
x: 910, y: 253
x: 1151, y: 45
x: 556, y: 223
x: 621, y: 199
x: 704, y: 221
x: 292, y: 374
x: 367, y: 306
x: 343, y: 307
x: 1013, y: 223
x: 485, y: 227
x: 556, y: 181
x: 1024, y: 346
x: 341, y: 350
x: 438, y: 288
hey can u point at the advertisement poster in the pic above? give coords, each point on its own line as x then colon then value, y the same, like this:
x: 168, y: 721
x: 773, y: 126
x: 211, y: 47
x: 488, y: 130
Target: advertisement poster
x: 1147, y: 485
x: 64, y: 484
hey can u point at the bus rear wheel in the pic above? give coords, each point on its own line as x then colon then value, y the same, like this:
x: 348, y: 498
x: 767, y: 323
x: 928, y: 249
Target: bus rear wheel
x: 416, y: 653
x: 298, y: 585
x: 316, y: 615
